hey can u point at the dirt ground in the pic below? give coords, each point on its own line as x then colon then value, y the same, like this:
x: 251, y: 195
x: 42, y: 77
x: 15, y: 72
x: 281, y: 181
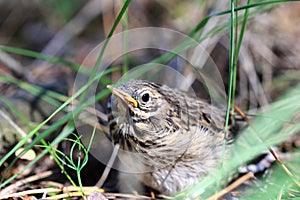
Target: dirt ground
x: 268, y: 66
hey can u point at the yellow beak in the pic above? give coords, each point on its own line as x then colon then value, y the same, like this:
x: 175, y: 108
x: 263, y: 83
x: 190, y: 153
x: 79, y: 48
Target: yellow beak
x: 123, y: 96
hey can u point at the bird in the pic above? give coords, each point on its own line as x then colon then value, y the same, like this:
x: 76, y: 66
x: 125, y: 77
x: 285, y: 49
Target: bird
x: 179, y: 137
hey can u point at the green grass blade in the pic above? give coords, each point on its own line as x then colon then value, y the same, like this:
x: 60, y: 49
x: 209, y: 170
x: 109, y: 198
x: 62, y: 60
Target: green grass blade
x: 50, y: 59
x: 68, y: 130
x: 263, y: 133
x: 101, y: 54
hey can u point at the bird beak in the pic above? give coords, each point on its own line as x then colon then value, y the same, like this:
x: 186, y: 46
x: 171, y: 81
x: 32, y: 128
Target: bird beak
x: 123, y: 96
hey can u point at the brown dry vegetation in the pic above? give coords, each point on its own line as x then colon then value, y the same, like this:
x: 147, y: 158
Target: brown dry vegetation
x: 269, y: 65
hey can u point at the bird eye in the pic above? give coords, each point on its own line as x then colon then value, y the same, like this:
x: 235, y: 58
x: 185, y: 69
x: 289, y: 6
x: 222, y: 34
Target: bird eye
x: 145, y: 97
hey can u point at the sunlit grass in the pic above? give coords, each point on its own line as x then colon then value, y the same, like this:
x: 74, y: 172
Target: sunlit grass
x: 269, y: 128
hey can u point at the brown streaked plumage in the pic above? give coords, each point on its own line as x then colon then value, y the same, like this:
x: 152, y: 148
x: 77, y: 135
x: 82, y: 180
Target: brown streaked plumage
x: 179, y: 137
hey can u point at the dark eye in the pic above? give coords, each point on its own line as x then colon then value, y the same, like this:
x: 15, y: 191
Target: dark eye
x: 145, y: 97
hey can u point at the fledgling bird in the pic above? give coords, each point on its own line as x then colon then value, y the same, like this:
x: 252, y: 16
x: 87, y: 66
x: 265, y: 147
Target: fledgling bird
x: 179, y: 137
